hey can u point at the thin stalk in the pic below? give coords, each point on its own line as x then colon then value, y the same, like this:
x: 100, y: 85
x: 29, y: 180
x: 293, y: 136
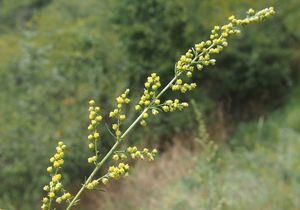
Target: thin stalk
x: 50, y: 202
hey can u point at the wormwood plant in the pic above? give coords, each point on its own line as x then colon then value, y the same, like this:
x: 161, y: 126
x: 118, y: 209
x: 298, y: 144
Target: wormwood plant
x: 195, y: 59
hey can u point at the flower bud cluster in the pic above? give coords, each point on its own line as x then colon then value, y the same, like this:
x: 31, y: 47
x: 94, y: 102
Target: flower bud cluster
x: 117, y: 157
x: 183, y: 87
x: 92, y: 185
x: 55, y: 187
x: 141, y: 154
x: 57, y: 159
x: 115, y: 172
x: 151, y: 86
x: 170, y: 105
x: 117, y: 113
x: 66, y: 196
x: 200, y: 55
x: 253, y: 17
x: 94, y: 136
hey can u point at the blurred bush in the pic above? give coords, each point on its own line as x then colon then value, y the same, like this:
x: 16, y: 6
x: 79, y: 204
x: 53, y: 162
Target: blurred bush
x: 56, y: 55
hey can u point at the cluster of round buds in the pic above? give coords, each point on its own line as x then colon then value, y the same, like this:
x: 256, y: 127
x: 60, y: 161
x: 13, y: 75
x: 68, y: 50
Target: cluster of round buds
x: 55, y: 186
x: 216, y: 43
x: 57, y: 159
x: 46, y: 201
x: 170, y: 105
x: 154, y: 111
x: 117, y: 157
x: 151, y: 86
x: 95, y: 119
x: 92, y: 185
x: 185, y: 63
x: 66, y: 196
x: 200, y: 55
x: 253, y: 16
x: 92, y: 159
x: 141, y: 154
x: 183, y: 87
x: 116, y: 172
x: 117, y: 113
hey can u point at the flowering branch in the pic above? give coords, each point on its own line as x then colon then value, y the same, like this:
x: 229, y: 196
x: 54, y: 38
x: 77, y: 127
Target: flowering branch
x: 197, y: 58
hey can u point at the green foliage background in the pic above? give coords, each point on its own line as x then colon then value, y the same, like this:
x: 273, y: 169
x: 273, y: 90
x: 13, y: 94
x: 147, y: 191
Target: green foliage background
x: 56, y: 55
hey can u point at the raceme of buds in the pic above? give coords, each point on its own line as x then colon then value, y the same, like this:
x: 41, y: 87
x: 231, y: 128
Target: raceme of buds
x: 183, y: 87
x: 92, y: 185
x: 151, y: 86
x: 115, y: 172
x: 201, y: 55
x: 94, y: 131
x: 55, y: 190
x: 141, y: 154
x: 170, y: 105
x: 118, y: 114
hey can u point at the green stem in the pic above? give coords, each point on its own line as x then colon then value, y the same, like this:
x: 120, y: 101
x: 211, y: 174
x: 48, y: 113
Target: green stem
x: 49, y: 206
x: 98, y: 166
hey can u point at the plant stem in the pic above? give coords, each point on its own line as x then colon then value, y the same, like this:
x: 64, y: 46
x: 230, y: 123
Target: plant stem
x: 98, y: 166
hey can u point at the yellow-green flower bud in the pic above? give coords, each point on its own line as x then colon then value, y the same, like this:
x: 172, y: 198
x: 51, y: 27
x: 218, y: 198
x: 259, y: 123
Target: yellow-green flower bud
x: 46, y: 188
x: 96, y: 135
x: 143, y: 123
x: 51, y: 194
x: 56, y: 164
x: 90, y: 127
x: 115, y: 126
x: 90, y: 186
x: 154, y: 112
x: 92, y: 102
x: 123, y: 157
x: 137, y: 107
x: 91, y: 146
x: 45, y: 200
x: 145, y: 115
x: 122, y: 117
x: 115, y: 157
x: 56, y: 177
x: 166, y: 108
x: 92, y: 159
x: 105, y: 181
x: 111, y: 114
x: 184, y: 104
x: 120, y: 100
x: 99, y: 118
x: 50, y: 169
x: 66, y: 196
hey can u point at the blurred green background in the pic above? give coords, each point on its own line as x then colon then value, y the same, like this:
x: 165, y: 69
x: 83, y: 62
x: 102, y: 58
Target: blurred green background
x: 55, y: 55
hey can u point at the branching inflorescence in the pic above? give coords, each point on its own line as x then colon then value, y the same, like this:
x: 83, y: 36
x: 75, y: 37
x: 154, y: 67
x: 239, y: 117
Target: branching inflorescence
x: 196, y: 59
